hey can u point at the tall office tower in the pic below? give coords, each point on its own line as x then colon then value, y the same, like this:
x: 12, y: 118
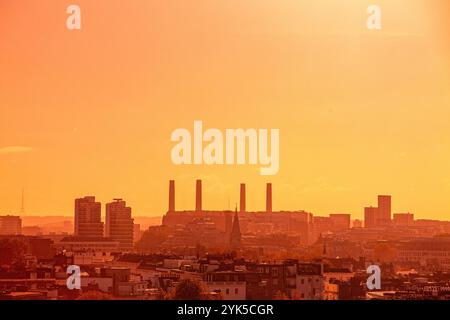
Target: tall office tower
x: 120, y: 224
x: 10, y: 225
x: 88, y: 218
x: 269, y: 197
x: 384, y: 211
x: 370, y: 216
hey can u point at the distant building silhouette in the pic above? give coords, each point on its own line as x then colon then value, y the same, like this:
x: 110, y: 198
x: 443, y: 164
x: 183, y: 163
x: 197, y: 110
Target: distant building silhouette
x: 384, y: 211
x: 403, y: 219
x: 10, y: 225
x: 235, y: 238
x: 340, y: 221
x: 120, y: 224
x: 378, y: 216
x: 295, y: 223
x: 88, y: 220
x: 370, y: 216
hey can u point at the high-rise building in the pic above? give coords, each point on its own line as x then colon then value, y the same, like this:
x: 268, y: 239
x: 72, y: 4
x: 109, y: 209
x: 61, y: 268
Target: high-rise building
x: 137, y: 234
x: 384, y: 211
x: 10, y: 225
x: 120, y: 224
x: 88, y: 217
x: 370, y: 216
x: 403, y: 219
x: 340, y: 221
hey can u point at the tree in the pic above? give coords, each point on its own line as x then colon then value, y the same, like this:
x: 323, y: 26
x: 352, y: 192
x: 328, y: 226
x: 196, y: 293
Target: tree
x: 153, y: 238
x: 94, y: 295
x: 384, y: 252
x: 12, y: 251
x: 188, y: 289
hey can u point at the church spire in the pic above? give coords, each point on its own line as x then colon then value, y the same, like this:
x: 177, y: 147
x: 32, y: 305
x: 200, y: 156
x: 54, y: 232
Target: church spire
x: 235, y: 238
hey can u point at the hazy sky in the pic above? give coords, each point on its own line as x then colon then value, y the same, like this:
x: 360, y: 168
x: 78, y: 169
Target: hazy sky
x: 360, y: 113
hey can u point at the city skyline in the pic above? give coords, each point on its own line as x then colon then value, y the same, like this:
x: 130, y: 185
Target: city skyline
x: 361, y: 112
x: 223, y: 155
x: 232, y: 204
x: 226, y: 254
x: 90, y: 219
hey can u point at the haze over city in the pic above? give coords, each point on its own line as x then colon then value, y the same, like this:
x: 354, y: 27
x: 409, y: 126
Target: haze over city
x: 360, y: 112
x: 224, y: 150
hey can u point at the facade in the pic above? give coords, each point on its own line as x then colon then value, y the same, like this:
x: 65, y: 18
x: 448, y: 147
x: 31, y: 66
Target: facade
x: 82, y: 258
x: 370, y: 217
x: 378, y: 216
x: 403, y: 219
x: 137, y: 233
x: 340, y: 221
x: 88, y: 219
x: 120, y: 224
x: 230, y: 285
x: 429, y: 253
x: 309, y: 282
x: 384, y: 211
x: 95, y: 244
x: 10, y: 225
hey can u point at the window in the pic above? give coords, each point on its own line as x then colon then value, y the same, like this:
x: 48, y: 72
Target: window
x: 227, y: 291
x: 236, y: 291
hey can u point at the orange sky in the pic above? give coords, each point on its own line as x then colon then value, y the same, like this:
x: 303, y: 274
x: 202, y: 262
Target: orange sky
x: 360, y: 112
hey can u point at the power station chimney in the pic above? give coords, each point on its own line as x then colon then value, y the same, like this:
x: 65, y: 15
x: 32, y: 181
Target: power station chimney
x: 269, y: 197
x: 172, y: 196
x: 198, y: 196
x: 242, y: 198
